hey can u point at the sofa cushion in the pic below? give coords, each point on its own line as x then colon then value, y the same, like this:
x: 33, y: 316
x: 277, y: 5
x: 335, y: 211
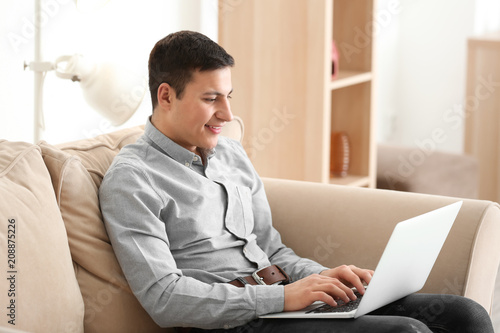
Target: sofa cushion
x: 96, y: 154
x: 77, y: 169
x: 40, y: 288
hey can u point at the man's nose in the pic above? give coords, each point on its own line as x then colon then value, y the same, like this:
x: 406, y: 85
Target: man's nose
x: 225, y: 112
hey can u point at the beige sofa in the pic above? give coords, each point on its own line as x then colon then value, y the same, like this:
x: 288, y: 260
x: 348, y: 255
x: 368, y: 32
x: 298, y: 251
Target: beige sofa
x: 60, y: 273
x: 414, y: 169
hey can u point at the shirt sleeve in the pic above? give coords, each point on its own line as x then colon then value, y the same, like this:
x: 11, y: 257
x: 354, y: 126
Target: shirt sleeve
x: 131, y: 209
x: 268, y: 238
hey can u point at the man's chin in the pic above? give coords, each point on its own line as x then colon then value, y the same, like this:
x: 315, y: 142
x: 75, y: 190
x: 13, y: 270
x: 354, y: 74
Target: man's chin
x: 209, y: 145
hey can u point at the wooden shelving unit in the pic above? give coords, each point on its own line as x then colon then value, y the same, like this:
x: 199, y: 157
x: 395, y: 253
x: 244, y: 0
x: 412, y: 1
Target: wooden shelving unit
x: 350, y: 78
x: 482, y: 119
x: 284, y: 92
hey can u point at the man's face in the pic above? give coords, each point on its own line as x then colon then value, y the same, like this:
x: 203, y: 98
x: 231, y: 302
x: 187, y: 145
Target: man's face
x: 196, y: 120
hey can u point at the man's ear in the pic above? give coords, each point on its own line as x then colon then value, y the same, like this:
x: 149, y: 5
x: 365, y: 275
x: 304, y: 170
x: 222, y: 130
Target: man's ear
x: 165, y: 95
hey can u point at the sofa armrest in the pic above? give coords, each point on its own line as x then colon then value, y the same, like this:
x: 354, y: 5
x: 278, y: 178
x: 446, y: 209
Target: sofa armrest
x: 438, y: 172
x: 337, y: 225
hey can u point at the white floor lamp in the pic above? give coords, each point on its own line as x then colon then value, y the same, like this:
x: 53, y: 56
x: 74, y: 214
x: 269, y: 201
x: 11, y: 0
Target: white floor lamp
x: 113, y: 92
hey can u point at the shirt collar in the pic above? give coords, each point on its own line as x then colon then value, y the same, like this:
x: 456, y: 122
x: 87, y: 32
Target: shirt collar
x: 172, y: 149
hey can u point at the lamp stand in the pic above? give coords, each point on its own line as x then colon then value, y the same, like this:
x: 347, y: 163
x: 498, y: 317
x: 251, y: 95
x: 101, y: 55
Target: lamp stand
x: 40, y: 68
x: 39, y: 123
x: 102, y: 99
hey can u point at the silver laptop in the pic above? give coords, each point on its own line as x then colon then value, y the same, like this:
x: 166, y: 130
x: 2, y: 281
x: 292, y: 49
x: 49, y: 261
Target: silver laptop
x: 403, y: 268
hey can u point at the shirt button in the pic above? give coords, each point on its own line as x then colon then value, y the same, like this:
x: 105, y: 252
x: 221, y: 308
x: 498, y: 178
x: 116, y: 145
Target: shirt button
x: 195, y: 158
x: 186, y: 164
x: 227, y: 326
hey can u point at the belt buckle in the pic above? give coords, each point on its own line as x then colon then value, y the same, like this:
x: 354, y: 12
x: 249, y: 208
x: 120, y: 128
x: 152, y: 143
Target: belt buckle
x: 257, y: 278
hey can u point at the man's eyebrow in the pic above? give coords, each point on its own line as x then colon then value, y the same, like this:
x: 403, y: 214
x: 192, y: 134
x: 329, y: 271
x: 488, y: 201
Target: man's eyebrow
x: 217, y: 93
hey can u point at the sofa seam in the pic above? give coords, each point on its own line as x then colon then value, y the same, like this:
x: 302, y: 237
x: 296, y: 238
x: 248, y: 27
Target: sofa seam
x: 18, y: 158
x: 100, y: 144
x: 61, y: 175
x: 95, y: 171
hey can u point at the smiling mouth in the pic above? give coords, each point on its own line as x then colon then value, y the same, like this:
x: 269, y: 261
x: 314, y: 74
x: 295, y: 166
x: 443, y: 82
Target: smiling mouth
x: 214, y: 127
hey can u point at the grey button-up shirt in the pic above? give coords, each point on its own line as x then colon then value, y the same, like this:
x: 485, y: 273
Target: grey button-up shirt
x: 181, y: 229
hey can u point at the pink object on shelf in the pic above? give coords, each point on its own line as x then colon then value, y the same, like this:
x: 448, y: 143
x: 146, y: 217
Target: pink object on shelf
x: 335, y: 61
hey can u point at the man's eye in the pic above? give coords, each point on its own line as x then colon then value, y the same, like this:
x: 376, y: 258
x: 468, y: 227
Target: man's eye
x: 210, y: 99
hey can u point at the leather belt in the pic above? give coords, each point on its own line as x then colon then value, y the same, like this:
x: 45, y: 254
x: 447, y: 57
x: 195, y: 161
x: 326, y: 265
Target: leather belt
x: 265, y: 276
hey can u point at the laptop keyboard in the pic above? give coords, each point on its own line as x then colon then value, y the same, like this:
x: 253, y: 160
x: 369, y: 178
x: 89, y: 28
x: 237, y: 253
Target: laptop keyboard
x: 341, y: 306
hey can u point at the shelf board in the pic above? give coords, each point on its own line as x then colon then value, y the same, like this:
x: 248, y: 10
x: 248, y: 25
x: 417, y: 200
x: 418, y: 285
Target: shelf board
x: 351, y: 180
x: 350, y: 78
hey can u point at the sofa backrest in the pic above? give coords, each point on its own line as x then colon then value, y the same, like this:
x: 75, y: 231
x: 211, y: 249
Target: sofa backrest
x: 77, y: 170
x: 39, y: 292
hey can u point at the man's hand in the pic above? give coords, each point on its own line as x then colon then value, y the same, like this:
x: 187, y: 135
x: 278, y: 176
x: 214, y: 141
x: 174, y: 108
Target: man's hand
x: 328, y: 286
x: 351, y: 276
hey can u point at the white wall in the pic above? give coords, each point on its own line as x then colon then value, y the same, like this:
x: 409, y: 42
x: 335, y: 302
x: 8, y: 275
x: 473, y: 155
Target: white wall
x: 422, y: 69
x: 421, y: 61
x: 122, y: 31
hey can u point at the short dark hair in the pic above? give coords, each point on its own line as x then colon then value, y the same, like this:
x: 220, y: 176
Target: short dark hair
x: 175, y: 57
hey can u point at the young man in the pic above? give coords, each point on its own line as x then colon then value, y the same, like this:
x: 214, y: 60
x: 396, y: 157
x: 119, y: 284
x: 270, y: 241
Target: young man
x: 189, y: 221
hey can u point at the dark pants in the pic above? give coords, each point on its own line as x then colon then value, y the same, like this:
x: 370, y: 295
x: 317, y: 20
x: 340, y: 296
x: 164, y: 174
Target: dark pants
x: 414, y: 313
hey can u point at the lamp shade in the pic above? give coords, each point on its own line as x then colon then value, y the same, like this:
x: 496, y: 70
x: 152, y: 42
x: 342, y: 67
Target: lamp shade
x: 114, y: 92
